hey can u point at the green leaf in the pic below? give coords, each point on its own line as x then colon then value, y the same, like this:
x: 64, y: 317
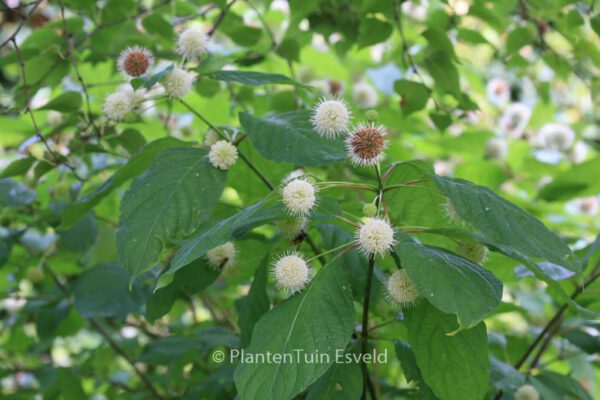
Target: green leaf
x: 158, y: 26
x: 134, y: 167
x: 167, y: 202
x: 441, y: 68
x: 318, y: 320
x: 66, y: 102
x: 411, y: 370
x: 579, y: 180
x: 503, y: 223
x: 342, y: 381
x: 451, y: 283
x: 252, y: 78
x: 414, y: 95
x: 290, y: 138
x: 438, y: 39
x: 80, y: 236
x: 440, y: 120
x: 152, y: 80
x: 373, y: 31
x: 595, y: 22
x: 5, y: 250
x: 103, y: 291
x: 454, y: 367
x: 256, y: 303
x: 18, y: 167
x: 554, y: 386
x: 518, y: 38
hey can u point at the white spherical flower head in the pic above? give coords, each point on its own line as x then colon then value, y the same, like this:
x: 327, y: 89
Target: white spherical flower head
x: 117, y: 105
x: 496, y: 149
x: 292, y: 226
x: 375, y: 237
x: 366, y: 144
x: 364, y: 95
x: 556, y: 137
x: 135, y: 96
x: 178, y: 82
x: 135, y: 61
x: 222, y: 155
x: 292, y: 273
x: 401, y: 290
x: 192, y: 43
x: 331, y: 117
x: 299, y: 196
x: 222, y: 257
x: 588, y: 205
x: 514, y: 120
x: 527, y: 392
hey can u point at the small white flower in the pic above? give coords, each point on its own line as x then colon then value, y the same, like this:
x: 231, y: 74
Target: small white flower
x: 588, y: 205
x: 514, y: 120
x: 222, y: 154
x: 401, y: 290
x: 299, y: 196
x: 555, y: 137
x: 211, y: 137
x: 292, y: 226
x: 498, y: 91
x: 291, y: 273
x: 178, y: 82
x: 366, y: 144
x: 222, y: 257
x: 527, y: 392
x: 135, y: 61
x: 416, y: 10
x: 331, y: 117
x: 117, y: 105
x: 192, y: 43
x: 496, y: 149
x: 136, y: 96
x: 578, y: 153
x: 375, y: 237
x: 364, y: 95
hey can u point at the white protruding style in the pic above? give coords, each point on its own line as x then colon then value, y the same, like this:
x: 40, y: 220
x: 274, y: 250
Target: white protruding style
x: 401, y: 290
x: 192, y: 43
x: 223, y: 155
x: 299, y: 197
x: 222, y: 257
x: 375, y: 237
x: 291, y: 273
x: 331, y: 117
x: 178, y: 82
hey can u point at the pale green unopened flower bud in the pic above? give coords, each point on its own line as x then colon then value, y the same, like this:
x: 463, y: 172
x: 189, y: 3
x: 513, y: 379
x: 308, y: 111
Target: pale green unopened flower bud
x: 369, y: 210
x: 372, y: 115
x: 472, y: 251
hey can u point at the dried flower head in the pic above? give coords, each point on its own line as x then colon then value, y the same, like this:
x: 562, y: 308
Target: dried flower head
x: 135, y: 61
x: 192, y: 43
x: 222, y: 155
x: 366, y: 144
x: 299, y: 196
x: 375, y: 237
x: 178, y: 82
x: 222, y: 257
x: 401, y: 290
x: 331, y: 117
x: 291, y: 272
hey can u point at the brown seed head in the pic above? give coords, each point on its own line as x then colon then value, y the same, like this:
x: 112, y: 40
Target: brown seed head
x: 367, y: 142
x: 136, y: 63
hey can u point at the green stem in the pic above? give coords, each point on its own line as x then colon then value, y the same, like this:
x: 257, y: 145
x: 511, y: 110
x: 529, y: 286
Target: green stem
x: 331, y: 250
x: 364, y: 348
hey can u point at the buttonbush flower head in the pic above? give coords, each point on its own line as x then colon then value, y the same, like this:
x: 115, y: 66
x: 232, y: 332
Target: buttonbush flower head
x: 366, y: 144
x: 401, y: 290
x: 364, y: 95
x: 527, y: 392
x: 211, y: 137
x: 375, y: 237
x: 299, y: 196
x: 578, y: 153
x: 178, y: 82
x: 222, y: 257
x: 192, y: 43
x: 135, y: 61
x: 372, y: 115
x: 117, y: 105
x: 588, y: 205
x: 496, y: 149
x: 514, y: 120
x: 498, y: 91
x: 135, y: 96
x: 222, y: 154
x: 292, y: 226
x: 331, y: 117
x: 556, y: 137
x: 291, y: 272
x: 472, y: 251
